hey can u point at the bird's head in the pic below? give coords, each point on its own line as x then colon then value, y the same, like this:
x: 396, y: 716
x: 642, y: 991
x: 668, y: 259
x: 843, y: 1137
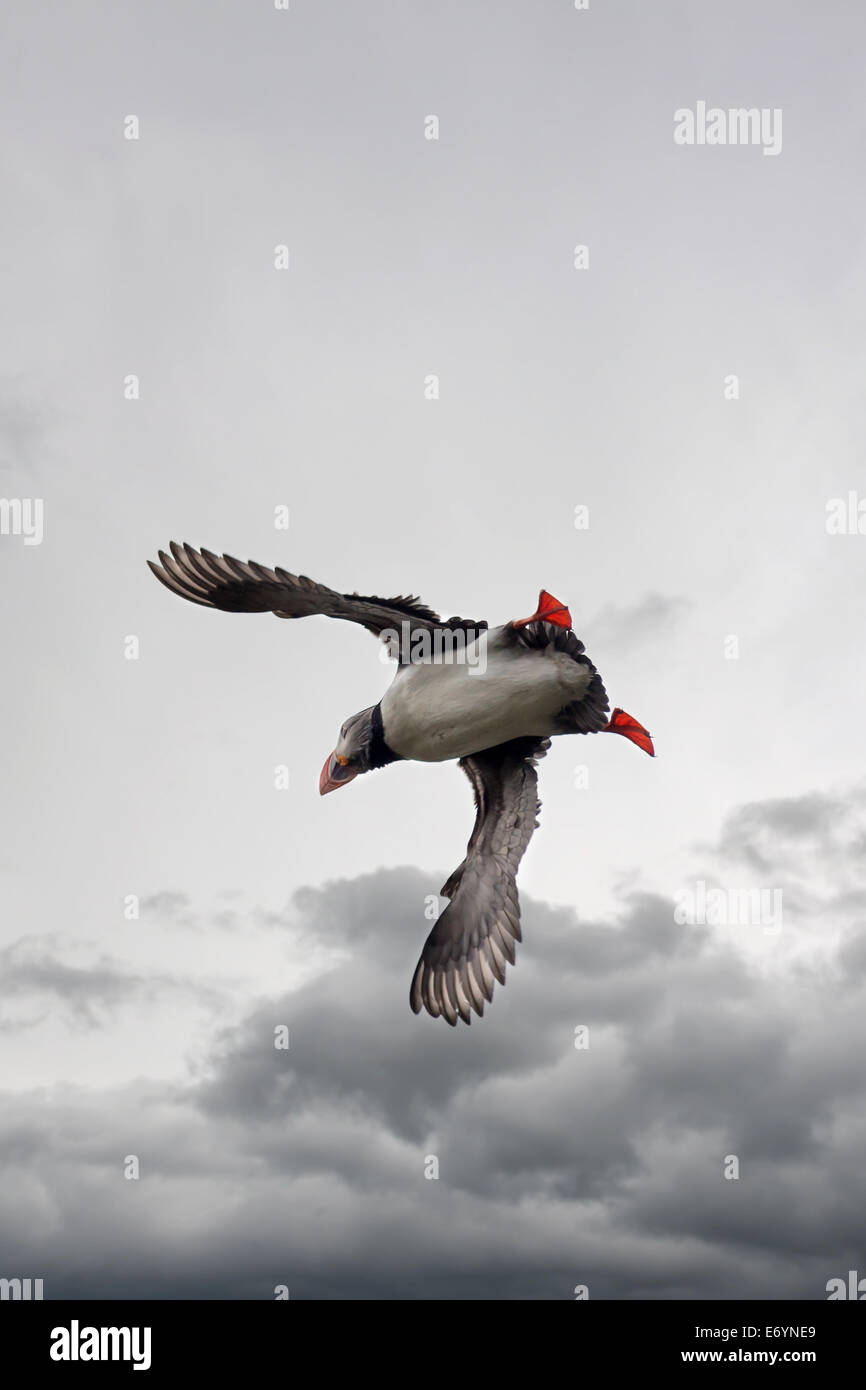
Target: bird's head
x: 352, y: 753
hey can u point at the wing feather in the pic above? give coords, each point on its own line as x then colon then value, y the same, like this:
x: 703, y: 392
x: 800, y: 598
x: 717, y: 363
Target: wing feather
x: 238, y: 586
x: 475, y: 938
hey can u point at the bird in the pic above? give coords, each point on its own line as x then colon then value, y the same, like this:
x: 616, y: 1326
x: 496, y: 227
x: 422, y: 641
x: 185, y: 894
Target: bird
x: 490, y: 698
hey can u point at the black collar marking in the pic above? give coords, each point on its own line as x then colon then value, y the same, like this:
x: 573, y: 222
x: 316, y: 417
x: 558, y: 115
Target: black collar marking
x: 379, y: 752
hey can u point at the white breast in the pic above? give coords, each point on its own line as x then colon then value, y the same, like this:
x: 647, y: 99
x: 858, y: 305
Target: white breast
x: 433, y: 712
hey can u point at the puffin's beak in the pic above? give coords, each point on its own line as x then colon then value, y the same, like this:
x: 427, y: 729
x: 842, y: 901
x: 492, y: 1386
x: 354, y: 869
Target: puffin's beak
x: 335, y: 773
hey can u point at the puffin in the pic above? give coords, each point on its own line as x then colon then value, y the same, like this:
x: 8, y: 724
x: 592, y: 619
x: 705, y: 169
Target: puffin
x: 489, y: 698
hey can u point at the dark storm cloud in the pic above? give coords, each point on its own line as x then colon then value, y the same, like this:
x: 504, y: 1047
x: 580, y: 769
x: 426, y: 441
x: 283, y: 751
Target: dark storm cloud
x: 558, y: 1166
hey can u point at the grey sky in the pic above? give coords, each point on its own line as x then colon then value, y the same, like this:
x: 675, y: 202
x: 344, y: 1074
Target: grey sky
x: 558, y: 1166
x: 602, y: 387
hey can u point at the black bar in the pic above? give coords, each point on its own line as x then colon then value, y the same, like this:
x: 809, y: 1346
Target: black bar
x: 306, y: 1338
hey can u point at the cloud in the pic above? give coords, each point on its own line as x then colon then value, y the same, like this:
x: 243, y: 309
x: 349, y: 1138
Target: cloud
x: 557, y: 1165
x: 652, y: 616
x: 799, y: 833
x: 33, y: 974
x: 24, y: 426
x: 166, y: 904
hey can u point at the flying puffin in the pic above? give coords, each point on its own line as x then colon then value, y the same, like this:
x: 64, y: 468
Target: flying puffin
x: 490, y: 697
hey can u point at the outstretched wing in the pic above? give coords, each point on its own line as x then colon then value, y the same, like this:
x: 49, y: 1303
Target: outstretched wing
x: 474, y: 939
x: 220, y: 581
